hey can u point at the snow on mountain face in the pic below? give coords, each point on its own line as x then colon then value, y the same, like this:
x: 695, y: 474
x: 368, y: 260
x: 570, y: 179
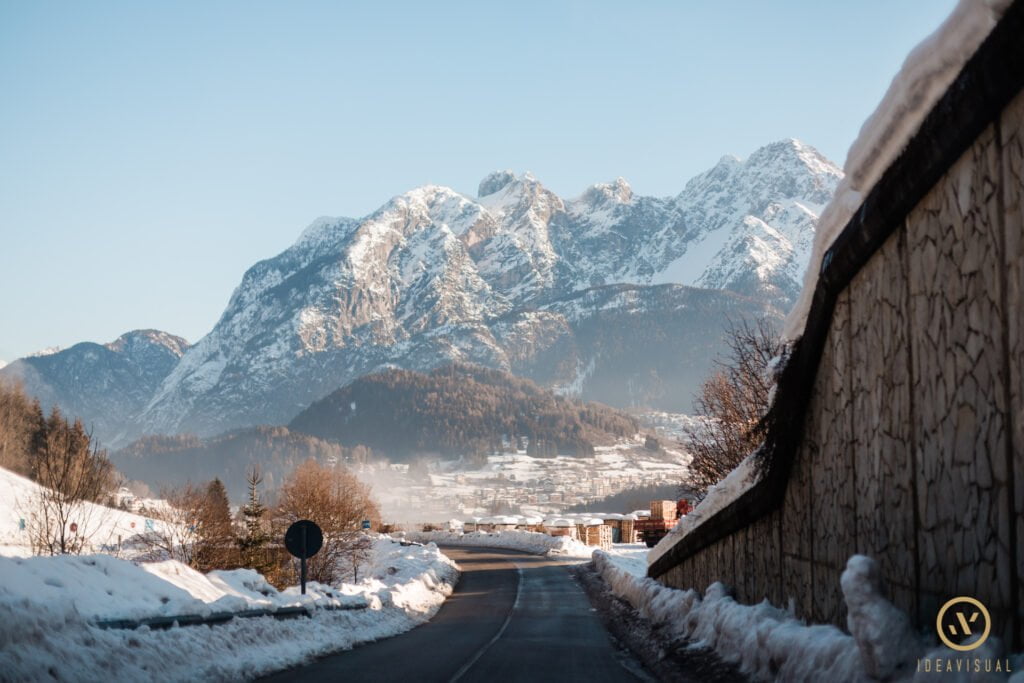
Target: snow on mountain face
x: 434, y: 275
x: 104, y: 384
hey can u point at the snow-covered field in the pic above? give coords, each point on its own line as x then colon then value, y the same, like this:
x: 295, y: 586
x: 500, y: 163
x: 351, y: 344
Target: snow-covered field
x: 519, y: 482
x: 49, y: 606
x: 770, y: 644
x: 104, y: 528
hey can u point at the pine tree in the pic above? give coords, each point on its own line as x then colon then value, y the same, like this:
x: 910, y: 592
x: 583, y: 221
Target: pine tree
x: 253, y: 544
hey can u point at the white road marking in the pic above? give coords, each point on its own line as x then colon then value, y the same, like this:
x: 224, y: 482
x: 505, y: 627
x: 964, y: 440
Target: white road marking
x: 480, y: 653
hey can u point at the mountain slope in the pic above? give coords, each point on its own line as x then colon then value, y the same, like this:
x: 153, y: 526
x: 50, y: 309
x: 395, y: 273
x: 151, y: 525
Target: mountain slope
x: 582, y: 295
x: 433, y: 275
x: 104, y: 384
x: 459, y: 410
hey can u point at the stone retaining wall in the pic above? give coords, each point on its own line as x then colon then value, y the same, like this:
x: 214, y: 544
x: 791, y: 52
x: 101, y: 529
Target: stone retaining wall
x: 913, y: 438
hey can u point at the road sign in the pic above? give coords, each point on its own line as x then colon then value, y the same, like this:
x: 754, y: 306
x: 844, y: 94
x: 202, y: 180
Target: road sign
x: 149, y: 525
x: 366, y: 524
x: 303, y: 540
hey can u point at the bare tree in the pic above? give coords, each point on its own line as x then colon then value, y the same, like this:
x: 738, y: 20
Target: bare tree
x: 338, y: 502
x: 177, y: 536
x: 72, y: 473
x: 733, y: 401
x: 215, y: 545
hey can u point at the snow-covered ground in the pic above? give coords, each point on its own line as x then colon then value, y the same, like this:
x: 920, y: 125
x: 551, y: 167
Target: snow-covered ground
x: 768, y: 643
x: 104, y: 528
x: 49, y: 606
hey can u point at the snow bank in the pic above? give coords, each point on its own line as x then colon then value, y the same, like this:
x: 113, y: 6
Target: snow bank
x: 768, y: 643
x: 526, y: 541
x: 926, y: 74
x: 629, y: 557
x: 48, y: 630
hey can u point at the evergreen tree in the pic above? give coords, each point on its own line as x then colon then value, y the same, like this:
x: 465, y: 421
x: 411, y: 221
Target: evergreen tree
x: 254, y: 543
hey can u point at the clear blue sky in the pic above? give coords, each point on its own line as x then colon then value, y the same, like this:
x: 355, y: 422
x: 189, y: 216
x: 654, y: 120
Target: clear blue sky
x: 151, y: 151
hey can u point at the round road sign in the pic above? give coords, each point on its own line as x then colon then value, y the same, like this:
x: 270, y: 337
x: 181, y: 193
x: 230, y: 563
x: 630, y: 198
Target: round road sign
x: 303, y: 539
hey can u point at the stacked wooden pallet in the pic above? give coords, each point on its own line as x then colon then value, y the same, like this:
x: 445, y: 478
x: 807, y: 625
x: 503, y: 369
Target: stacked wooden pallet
x: 663, y: 509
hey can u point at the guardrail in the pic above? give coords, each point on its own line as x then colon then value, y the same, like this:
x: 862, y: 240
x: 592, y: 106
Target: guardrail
x: 165, y: 622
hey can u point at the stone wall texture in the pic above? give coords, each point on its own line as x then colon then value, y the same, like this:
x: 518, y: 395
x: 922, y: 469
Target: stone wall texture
x: 913, y: 447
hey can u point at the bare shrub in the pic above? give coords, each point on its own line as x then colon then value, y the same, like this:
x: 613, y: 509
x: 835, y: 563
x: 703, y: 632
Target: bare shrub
x: 332, y: 497
x: 177, y: 536
x: 72, y: 471
x: 733, y: 401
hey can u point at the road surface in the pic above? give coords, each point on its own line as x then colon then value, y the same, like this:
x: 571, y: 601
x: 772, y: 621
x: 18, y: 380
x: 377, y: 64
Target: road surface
x: 512, y: 617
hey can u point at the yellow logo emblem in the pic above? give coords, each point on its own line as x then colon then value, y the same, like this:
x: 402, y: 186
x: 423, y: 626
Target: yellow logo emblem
x: 961, y: 619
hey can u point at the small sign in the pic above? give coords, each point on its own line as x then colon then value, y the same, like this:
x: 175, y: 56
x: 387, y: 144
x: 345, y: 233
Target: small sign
x: 149, y: 525
x: 366, y: 524
x: 303, y: 539
x: 21, y: 524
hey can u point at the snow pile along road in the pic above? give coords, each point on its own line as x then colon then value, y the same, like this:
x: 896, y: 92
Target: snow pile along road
x: 768, y: 643
x: 48, y: 609
x: 526, y: 541
x: 101, y: 588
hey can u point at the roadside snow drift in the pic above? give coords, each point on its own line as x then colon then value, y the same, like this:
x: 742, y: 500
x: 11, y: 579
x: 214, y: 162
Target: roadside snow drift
x: 49, y: 607
x: 526, y: 541
x: 770, y: 644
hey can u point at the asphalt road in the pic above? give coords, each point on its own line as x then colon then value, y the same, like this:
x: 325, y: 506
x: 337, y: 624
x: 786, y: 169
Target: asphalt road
x: 512, y: 617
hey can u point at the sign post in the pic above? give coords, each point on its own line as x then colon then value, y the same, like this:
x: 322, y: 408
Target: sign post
x: 303, y: 540
x: 366, y: 524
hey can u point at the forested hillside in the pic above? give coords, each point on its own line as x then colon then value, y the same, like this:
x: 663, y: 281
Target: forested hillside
x: 174, y: 460
x: 458, y: 410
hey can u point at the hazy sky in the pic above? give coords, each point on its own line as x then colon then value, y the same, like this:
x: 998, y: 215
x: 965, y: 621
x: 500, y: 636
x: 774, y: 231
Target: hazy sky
x: 150, y: 152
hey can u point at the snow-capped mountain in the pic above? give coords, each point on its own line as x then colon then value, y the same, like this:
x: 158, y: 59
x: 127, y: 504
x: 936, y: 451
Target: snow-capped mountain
x: 610, y: 296
x: 104, y: 384
x: 515, y: 278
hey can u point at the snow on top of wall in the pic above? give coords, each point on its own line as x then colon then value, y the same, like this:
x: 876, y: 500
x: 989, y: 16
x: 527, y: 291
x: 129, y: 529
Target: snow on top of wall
x: 926, y: 74
x: 718, y: 496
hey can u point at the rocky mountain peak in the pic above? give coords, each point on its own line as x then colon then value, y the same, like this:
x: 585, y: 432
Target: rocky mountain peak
x: 495, y: 181
x: 617, y: 191
x: 516, y: 278
x: 136, y: 341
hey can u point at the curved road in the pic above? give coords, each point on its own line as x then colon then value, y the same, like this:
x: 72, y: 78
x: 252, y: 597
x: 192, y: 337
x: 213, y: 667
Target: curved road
x: 512, y: 617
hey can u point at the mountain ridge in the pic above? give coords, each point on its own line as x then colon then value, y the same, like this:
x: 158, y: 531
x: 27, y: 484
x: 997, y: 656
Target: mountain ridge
x: 436, y: 276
